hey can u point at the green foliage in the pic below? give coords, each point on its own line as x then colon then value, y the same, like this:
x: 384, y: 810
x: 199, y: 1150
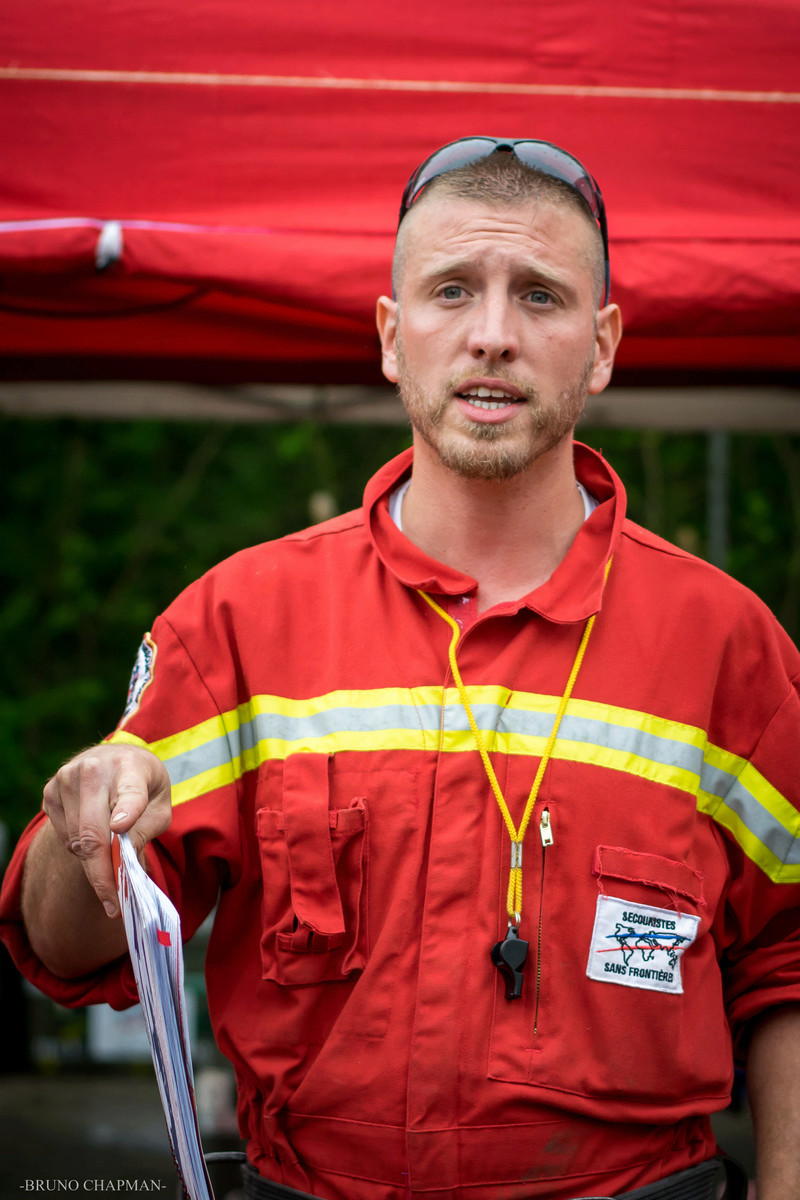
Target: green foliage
x: 666, y: 477
x: 104, y: 523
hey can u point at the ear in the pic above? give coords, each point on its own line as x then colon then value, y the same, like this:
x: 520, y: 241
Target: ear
x: 609, y: 332
x: 386, y: 320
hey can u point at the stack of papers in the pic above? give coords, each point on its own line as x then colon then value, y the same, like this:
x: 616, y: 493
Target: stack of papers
x: 153, y: 928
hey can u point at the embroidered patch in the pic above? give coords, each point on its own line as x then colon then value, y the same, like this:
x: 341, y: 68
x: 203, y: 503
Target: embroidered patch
x: 638, y: 945
x: 140, y: 677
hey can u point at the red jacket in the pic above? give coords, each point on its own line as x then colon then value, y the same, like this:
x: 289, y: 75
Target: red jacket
x: 328, y: 791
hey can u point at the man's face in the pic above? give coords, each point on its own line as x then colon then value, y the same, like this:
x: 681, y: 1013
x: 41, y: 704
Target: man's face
x: 495, y: 340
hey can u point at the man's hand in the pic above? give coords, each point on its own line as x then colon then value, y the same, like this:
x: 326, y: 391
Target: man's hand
x: 119, y: 789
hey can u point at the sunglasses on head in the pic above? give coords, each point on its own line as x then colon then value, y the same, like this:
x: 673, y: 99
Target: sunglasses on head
x: 541, y: 156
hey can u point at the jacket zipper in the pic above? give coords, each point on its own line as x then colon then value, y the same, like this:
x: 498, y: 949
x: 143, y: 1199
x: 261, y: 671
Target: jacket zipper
x: 546, y: 834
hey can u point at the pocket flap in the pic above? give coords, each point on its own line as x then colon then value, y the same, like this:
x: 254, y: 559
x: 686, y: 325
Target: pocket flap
x: 615, y: 862
x: 307, y: 829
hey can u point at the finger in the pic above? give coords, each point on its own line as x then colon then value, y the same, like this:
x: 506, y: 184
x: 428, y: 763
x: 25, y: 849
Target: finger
x: 102, y: 790
x: 157, y: 814
x: 71, y: 794
x: 93, y: 848
x: 54, y: 808
x: 130, y: 796
x: 154, y: 821
x: 84, y: 794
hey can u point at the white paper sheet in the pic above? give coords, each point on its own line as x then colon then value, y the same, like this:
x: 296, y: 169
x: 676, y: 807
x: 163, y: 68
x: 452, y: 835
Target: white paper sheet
x: 153, y: 929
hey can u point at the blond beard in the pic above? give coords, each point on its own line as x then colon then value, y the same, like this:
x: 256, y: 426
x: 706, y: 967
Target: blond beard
x: 478, y: 450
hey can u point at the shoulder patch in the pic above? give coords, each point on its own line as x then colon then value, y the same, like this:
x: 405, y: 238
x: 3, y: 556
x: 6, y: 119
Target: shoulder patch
x: 141, y: 677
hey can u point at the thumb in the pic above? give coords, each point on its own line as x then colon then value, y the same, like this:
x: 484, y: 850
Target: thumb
x: 129, y: 798
x: 142, y: 802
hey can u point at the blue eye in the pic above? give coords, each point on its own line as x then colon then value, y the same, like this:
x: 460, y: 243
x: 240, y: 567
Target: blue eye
x: 451, y: 292
x: 539, y: 297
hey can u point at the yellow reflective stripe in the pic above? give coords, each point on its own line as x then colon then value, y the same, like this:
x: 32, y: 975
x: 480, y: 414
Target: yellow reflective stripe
x: 579, y: 752
x: 206, y: 781
x: 220, y: 750
x: 337, y: 743
x: 196, y: 736
x: 375, y: 698
x: 121, y: 737
x: 278, y: 749
x: 779, y: 808
x: 753, y: 847
x: 632, y: 764
x: 755, y: 783
x: 630, y: 718
x: 458, y: 740
x: 216, y: 777
x: 265, y: 705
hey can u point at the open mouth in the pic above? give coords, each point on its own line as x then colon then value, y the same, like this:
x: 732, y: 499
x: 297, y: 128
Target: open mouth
x: 491, y: 399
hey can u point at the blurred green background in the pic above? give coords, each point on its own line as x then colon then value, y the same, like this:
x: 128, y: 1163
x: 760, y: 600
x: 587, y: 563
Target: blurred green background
x: 103, y: 523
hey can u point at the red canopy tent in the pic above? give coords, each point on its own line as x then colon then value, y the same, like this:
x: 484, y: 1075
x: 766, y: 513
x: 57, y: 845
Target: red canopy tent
x: 209, y: 192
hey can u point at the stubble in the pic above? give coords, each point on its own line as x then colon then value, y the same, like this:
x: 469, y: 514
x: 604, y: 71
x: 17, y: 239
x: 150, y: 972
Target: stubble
x: 482, y: 450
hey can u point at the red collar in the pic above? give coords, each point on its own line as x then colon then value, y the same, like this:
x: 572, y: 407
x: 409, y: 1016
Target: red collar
x: 574, y: 590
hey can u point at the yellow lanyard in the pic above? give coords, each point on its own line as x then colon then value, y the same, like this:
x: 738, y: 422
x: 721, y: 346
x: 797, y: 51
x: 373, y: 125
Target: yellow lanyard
x: 514, y: 896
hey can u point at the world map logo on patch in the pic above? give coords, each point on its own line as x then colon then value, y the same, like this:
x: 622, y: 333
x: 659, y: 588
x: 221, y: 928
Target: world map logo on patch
x: 141, y: 676
x: 631, y: 941
x: 639, y: 945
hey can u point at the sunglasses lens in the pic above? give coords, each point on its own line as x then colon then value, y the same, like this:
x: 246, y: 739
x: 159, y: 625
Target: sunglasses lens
x: 541, y: 156
x: 449, y: 158
x: 553, y: 161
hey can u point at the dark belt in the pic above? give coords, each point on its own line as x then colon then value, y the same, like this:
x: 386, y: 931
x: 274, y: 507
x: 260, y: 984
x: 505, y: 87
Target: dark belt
x: 696, y: 1183
x: 258, y: 1188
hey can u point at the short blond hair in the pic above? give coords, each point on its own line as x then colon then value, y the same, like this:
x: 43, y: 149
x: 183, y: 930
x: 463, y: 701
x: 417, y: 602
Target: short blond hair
x: 503, y: 181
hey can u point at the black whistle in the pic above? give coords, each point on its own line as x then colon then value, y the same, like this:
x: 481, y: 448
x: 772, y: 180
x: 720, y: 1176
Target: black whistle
x: 509, y: 958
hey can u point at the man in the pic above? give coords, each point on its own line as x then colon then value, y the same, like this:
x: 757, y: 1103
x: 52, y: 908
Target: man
x: 364, y: 725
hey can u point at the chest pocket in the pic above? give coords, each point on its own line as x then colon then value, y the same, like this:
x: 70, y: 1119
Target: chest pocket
x: 314, y: 866
x: 629, y: 1013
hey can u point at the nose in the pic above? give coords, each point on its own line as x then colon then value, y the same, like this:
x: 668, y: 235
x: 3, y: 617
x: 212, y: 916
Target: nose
x: 494, y: 331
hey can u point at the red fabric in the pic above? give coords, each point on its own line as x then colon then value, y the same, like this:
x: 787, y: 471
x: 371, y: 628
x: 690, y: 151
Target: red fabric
x: 254, y: 155
x: 307, y: 833
x: 378, y: 1055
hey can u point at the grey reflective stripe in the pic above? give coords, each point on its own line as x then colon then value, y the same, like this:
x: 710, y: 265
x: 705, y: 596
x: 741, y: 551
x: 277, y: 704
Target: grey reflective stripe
x: 215, y: 753
x: 281, y: 727
x: 415, y: 719
x: 792, y: 857
x: 421, y: 724
x: 752, y: 813
x: 667, y: 751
